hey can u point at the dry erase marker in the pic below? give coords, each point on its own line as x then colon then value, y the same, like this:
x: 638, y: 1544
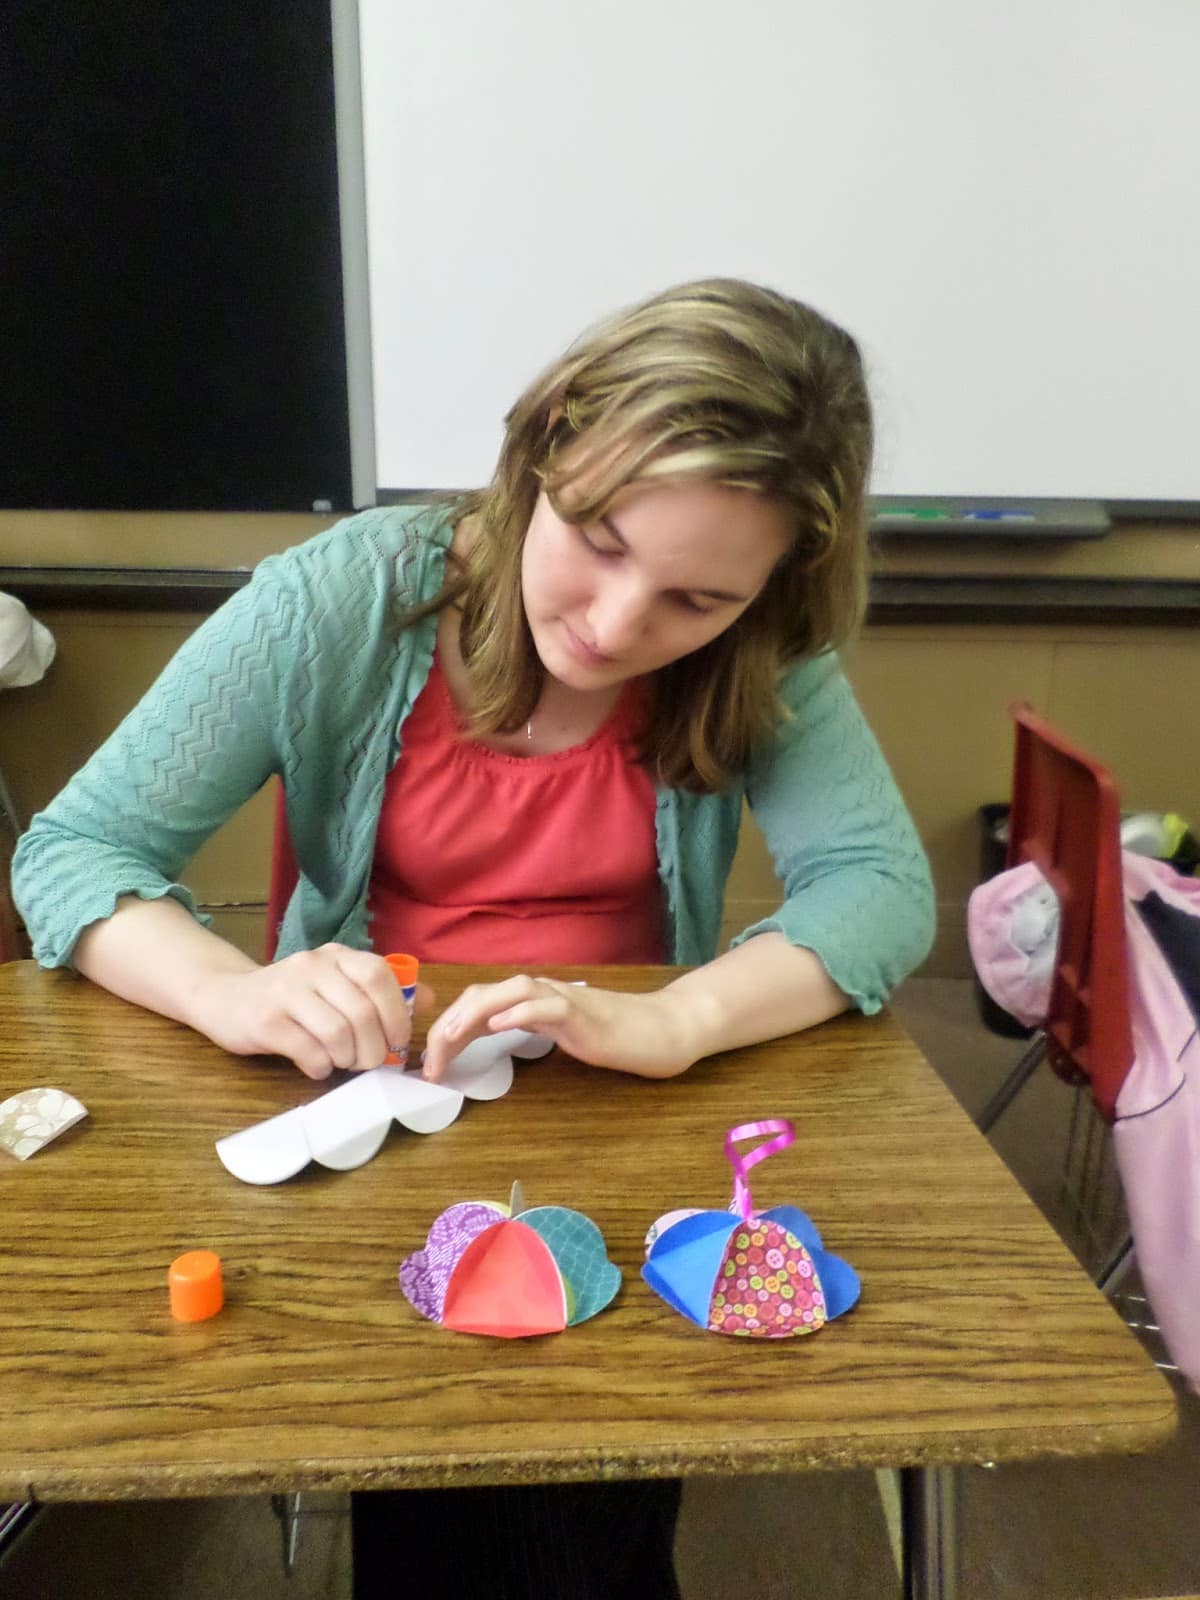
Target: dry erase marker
x: 916, y: 514
x: 404, y: 970
x: 952, y: 518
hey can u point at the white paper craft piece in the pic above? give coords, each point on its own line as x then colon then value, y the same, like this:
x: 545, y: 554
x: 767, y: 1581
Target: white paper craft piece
x: 269, y: 1152
x: 345, y: 1127
x: 484, y: 1069
x: 30, y: 1119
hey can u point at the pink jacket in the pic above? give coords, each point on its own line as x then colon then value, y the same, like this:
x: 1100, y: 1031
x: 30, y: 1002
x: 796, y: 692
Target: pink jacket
x: 1012, y: 930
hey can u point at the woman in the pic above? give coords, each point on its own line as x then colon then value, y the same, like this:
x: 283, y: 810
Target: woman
x: 671, y: 547
x: 519, y: 728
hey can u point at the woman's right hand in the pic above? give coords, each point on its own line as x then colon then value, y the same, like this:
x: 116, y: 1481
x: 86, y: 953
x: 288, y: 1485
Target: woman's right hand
x: 325, y: 1008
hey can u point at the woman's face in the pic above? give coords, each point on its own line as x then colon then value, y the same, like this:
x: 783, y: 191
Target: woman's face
x: 663, y: 572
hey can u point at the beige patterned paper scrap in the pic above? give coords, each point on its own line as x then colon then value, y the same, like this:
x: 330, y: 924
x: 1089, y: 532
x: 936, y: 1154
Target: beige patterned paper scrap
x: 32, y: 1118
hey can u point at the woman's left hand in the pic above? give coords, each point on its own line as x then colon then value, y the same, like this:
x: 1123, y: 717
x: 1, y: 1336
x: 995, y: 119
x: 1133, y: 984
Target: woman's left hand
x: 646, y: 1034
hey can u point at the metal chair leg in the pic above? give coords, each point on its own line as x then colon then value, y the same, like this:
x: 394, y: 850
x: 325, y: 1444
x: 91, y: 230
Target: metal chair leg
x: 14, y: 1520
x: 287, y: 1508
x: 1008, y: 1091
x: 1115, y: 1271
x: 929, y: 1532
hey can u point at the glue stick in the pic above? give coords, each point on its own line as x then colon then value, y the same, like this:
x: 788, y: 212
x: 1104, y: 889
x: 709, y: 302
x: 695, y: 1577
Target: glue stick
x: 404, y: 970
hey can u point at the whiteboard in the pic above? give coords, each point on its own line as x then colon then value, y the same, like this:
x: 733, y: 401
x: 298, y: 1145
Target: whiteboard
x: 1002, y: 204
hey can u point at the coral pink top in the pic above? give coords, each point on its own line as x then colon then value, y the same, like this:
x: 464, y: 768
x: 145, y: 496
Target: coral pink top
x: 484, y: 857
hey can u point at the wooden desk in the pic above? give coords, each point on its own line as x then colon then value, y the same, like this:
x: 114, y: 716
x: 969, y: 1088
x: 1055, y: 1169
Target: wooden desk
x: 977, y: 1337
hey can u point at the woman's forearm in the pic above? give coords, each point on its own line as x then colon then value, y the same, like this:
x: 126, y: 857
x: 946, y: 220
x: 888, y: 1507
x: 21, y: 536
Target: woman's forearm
x: 761, y: 990
x: 325, y: 1008
x: 156, y: 954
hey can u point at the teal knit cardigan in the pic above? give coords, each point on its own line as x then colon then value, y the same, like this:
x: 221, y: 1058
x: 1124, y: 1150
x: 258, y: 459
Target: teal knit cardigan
x: 305, y: 673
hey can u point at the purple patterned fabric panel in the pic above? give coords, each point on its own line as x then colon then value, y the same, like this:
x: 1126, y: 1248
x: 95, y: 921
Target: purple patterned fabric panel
x: 425, y: 1275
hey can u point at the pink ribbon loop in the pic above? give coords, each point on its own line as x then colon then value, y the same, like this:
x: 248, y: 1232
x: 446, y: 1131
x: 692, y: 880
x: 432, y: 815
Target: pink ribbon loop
x: 785, y: 1132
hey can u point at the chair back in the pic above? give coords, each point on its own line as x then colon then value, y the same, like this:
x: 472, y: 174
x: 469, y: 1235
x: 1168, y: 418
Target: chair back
x: 284, y: 873
x: 1066, y: 817
x: 14, y: 945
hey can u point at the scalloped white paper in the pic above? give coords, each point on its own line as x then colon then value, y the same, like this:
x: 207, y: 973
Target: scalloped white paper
x: 346, y: 1126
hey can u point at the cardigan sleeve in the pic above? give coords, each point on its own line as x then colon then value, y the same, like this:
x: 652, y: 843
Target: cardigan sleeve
x: 195, y: 747
x: 857, y: 886
x: 293, y: 675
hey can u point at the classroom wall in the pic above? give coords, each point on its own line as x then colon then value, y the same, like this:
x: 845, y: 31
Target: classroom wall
x: 938, y: 698
x: 936, y: 693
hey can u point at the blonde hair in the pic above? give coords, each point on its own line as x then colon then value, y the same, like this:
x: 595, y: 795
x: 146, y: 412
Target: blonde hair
x: 720, y: 381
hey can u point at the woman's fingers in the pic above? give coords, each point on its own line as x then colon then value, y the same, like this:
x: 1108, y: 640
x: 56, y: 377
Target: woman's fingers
x: 482, y: 1009
x: 337, y: 1007
x: 426, y: 1001
x: 300, y: 1047
x: 381, y: 1014
x: 341, y: 1017
x: 326, y: 1008
x: 342, y: 1008
x: 468, y: 1017
x: 542, y: 1014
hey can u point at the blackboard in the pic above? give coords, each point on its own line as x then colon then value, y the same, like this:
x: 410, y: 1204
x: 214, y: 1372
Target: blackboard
x: 170, y: 272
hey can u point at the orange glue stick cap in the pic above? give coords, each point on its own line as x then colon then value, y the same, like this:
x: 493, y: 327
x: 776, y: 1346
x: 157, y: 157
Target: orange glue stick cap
x: 404, y: 969
x: 196, y: 1287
